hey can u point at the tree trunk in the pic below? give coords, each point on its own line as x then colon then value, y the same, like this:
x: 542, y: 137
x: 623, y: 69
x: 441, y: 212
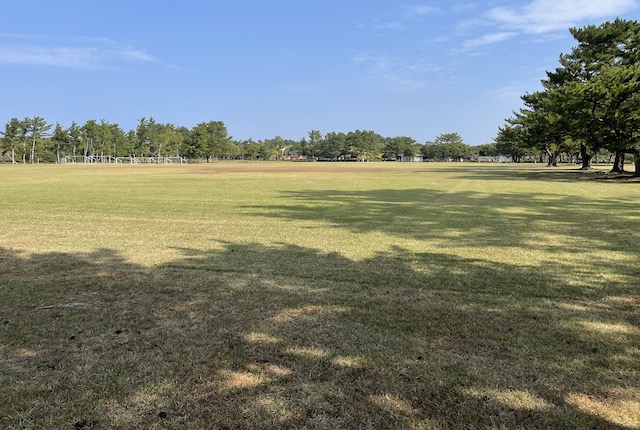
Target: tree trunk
x: 636, y: 160
x: 618, y: 163
x: 33, y: 150
x: 586, y: 158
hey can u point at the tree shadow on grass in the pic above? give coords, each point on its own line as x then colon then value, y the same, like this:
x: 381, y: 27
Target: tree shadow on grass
x: 564, y: 173
x: 470, y: 219
x: 252, y: 336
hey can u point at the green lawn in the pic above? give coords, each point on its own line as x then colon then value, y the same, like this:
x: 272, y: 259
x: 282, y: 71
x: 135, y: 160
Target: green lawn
x: 318, y: 296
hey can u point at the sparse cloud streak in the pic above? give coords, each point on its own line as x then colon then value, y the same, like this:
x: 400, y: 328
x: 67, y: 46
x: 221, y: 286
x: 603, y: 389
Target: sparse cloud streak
x: 396, y: 72
x: 69, y: 52
x: 543, y: 16
x: 408, y: 15
x: 418, y: 10
x: 488, y: 39
x: 394, y: 25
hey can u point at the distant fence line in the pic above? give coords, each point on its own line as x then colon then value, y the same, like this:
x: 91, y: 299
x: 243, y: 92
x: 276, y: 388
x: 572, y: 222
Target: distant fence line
x: 107, y: 159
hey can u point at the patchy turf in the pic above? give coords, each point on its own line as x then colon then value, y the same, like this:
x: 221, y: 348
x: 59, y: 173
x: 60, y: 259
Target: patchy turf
x: 318, y: 296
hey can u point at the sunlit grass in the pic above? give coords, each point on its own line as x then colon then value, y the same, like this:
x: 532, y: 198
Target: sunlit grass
x: 318, y: 295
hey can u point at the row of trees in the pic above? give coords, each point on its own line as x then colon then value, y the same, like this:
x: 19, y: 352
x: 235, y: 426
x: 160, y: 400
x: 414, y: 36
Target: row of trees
x: 33, y: 140
x: 359, y: 145
x: 589, y: 104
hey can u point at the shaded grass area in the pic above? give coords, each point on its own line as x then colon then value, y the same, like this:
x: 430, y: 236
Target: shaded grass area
x: 191, y: 344
x: 472, y: 307
x: 475, y: 218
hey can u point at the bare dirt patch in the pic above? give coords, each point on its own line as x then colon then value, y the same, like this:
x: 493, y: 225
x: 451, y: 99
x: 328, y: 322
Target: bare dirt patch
x: 276, y: 167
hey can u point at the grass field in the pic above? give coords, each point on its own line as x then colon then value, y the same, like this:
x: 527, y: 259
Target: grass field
x: 318, y: 296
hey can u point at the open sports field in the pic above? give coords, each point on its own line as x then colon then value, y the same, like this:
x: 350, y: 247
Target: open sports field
x: 318, y: 296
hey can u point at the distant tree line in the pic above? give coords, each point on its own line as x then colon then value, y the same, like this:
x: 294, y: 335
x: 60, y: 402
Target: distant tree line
x: 589, y: 106
x: 34, y: 140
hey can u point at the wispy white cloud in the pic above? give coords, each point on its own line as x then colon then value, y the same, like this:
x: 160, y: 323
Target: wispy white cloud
x: 397, y: 72
x: 69, y: 52
x: 129, y: 53
x: 407, y: 15
x: 543, y: 16
x: 489, y: 39
x: 394, y: 25
x: 418, y: 10
x: 76, y: 58
x: 437, y: 41
x: 465, y: 7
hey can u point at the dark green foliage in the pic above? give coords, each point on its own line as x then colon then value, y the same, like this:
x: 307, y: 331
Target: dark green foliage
x: 592, y: 101
x: 448, y: 146
x: 211, y: 140
x: 487, y: 150
x: 12, y: 137
x: 400, y: 145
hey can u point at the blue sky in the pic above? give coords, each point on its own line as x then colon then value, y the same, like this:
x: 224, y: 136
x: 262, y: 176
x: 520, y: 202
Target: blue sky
x: 284, y: 67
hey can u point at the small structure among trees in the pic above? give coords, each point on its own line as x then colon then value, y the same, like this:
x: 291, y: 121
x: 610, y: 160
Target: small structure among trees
x: 494, y: 159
